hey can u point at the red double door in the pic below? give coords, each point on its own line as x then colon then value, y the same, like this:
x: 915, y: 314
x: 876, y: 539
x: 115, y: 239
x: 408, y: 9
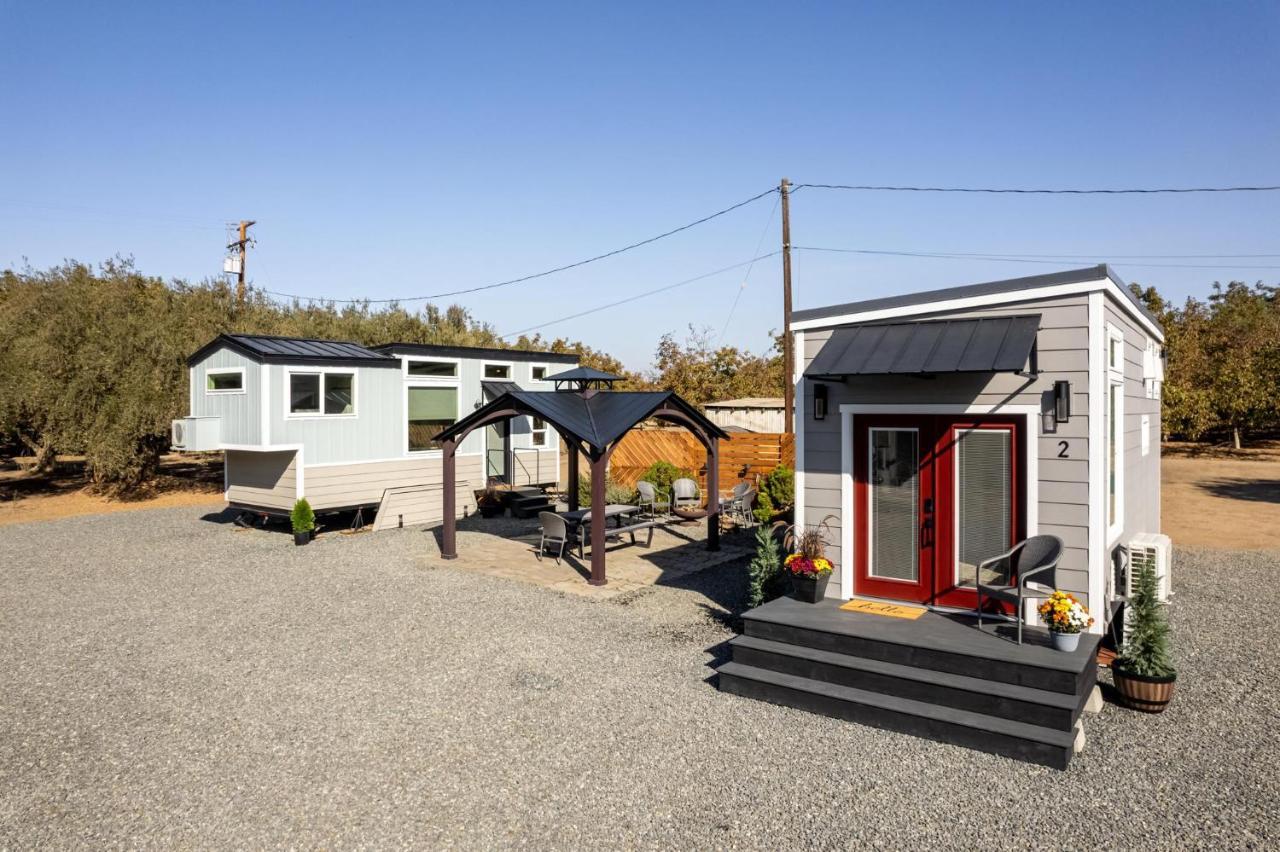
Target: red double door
x: 934, y: 496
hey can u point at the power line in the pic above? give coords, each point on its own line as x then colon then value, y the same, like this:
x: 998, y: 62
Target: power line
x: 747, y: 275
x: 639, y: 296
x: 1024, y: 259
x: 545, y: 273
x: 1010, y: 191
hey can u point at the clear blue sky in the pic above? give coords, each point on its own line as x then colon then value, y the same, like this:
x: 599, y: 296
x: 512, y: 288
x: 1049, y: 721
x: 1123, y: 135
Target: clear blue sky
x: 394, y: 150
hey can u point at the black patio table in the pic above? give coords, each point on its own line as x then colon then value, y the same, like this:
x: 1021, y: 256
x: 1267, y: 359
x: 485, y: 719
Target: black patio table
x: 613, y: 510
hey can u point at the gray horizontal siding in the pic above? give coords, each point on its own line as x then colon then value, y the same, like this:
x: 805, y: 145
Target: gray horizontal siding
x: 366, y: 483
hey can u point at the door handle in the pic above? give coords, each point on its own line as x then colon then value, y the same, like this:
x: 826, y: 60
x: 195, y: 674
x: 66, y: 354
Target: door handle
x: 928, y: 505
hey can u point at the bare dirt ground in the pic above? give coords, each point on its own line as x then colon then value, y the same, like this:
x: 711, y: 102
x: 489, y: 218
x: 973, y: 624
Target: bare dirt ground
x: 1219, y: 497
x: 185, y: 480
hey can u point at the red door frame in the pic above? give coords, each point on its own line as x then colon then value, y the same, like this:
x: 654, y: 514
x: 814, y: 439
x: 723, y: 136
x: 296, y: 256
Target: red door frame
x: 936, y: 507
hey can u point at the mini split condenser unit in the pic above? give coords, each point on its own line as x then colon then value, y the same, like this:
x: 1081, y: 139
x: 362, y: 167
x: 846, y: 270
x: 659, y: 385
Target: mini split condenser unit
x: 196, y: 433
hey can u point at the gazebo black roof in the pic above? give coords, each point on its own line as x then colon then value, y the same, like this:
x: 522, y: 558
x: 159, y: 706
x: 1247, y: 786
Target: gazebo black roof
x: 595, y: 418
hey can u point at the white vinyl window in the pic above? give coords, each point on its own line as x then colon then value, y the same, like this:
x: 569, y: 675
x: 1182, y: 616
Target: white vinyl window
x: 541, y: 434
x: 322, y: 394
x: 424, y: 368
x: 539, y: 372
x: 431, y: 409
x: 496, y: 372
x: 1113, y: 421
x: 224, y: 380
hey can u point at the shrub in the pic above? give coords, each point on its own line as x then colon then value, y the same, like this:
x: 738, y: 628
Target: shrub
x: 777, y: 493
x: 1147, y: 651
x: 764, y: 507
x: 764, y: 573
x: 663, y: 473
x: 303, y: 519
x: 614, y: 491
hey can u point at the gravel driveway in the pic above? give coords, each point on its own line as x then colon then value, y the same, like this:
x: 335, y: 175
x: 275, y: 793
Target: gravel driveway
x: 170, y: 681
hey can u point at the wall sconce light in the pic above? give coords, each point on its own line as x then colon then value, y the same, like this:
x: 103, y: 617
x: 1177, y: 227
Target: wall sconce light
x: 1061, y: 401
x: 819, y: 402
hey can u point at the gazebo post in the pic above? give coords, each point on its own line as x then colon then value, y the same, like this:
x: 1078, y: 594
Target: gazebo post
x: 713, y: 493
x: 448, y: 544
x: 573, y: 475
x: 599, y: 465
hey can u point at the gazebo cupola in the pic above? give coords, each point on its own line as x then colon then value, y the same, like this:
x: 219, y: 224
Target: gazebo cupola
x: 583, y: 379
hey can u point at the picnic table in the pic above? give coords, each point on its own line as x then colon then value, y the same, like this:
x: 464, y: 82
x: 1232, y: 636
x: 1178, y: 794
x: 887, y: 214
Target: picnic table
x: 620, y: 511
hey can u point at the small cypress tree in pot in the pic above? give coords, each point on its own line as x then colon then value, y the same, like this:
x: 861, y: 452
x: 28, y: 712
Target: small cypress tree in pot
x: 1143, y: 672
x: 303, y: 520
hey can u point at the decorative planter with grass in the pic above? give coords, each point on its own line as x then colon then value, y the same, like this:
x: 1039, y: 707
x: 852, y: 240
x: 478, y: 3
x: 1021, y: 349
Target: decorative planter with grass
x: 489, y: 503
x: 1065, y: 617
x: 304, y: 522
x: 1143, y: 672
x: 808, y: 566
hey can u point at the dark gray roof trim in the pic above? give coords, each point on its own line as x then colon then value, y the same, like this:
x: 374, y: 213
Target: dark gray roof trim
x: 273, y: 349
x: 968, y: 291
x: 985, y: 345
x: 596, y: 418
x: 478, y: 352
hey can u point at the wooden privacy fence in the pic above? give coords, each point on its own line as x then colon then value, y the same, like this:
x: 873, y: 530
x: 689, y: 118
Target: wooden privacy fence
x: 745, y: 455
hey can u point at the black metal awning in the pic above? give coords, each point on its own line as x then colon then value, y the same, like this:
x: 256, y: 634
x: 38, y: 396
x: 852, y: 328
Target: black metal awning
x: 492, y: 390
x: 978, y: 345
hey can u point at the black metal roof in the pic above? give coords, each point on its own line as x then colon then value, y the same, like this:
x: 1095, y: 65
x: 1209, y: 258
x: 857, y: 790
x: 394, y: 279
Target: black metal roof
x: 980, y: 345
x: 273, y: 349
x: 989, y: 288
x: 491, y: 389
x: 584, y: 374
x: 478, y: 352
x: 597, y: 418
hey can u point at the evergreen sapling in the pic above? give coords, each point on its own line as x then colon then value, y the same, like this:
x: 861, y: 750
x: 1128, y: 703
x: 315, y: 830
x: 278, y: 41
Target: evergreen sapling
x: 1147, y: 651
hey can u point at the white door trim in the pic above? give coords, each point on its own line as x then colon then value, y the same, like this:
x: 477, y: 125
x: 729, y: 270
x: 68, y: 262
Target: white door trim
x: 848, y: 415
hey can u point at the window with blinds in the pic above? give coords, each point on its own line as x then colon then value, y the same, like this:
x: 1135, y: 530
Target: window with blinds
x: 430, y: 411
x: 895, y: 503
x: 984, y: 493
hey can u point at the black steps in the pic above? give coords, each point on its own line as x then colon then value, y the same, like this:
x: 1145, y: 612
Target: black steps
x: 528, y: 502
x: 1018, y: 740
x: 939, y: 676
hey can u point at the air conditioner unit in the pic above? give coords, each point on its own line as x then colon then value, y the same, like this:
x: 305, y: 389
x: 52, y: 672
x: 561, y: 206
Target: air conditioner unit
x: 1155, y: 550
x: 196, y: 433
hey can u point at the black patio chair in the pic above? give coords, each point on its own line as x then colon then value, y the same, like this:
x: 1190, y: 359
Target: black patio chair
x: 1029, y: 572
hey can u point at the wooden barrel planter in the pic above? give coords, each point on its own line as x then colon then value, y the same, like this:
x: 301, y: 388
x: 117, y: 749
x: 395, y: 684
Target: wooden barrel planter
x: 1143, y: 693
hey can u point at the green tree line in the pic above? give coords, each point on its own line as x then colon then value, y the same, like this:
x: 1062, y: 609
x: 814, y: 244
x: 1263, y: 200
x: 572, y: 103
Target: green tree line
x: 93, y: 361
x: 1222, y: 378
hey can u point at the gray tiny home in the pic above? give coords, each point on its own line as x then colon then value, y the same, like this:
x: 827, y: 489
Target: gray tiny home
x: 934, y: 430
x: 351, y: 427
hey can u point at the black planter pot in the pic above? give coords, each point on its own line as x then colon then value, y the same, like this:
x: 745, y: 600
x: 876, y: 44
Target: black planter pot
x: 809, y: 589
x: 301, y: 538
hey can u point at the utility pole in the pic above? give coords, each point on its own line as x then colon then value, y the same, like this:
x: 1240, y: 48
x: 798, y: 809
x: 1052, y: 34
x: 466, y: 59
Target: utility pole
x: 788, y: 357
x: 243, y: 245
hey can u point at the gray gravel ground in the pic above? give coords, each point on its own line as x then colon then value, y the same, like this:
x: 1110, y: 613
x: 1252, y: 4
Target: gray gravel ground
x: 166, y: 681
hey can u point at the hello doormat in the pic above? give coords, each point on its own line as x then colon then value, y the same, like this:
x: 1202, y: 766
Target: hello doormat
x: 892, y: 610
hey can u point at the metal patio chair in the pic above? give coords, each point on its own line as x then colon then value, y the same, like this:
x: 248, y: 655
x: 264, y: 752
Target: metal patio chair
x: 649, y: 496
x: 684, y: 494
x: 555, y: 532
x: 738, y: 506
x: 1029, y: 572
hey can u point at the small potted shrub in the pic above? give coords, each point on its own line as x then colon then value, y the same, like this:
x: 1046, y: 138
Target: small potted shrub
x: 1065, y: 617
x: 1143, y: 671
x: 807, y: 564
x: 489, y: 503
x: 304, y: 522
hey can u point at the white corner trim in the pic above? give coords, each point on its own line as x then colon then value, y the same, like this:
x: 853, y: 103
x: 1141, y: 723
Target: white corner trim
x: 797, y: 381
x: 971, y: 302
x: 847, y: 519
x: 300, y: 474
x: 191, y: 395
x: 1097, y: 463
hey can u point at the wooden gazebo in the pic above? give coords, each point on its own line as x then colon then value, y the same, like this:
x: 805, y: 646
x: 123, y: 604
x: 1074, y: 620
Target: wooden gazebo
x: 591, y: 418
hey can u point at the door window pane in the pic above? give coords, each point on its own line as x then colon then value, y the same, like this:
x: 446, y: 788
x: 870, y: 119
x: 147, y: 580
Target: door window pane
x: 304, y: 393
x: 339, y: 393
x: 895, y: 503
x: 430, y: 411
x: 984, y: 494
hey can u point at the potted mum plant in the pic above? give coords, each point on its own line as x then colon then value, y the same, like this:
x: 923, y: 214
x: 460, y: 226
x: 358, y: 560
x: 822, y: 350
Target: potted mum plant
x: 807, y: 564
x: 1065, y: 617
x: 304, y: 522
x: 1143, y: 671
